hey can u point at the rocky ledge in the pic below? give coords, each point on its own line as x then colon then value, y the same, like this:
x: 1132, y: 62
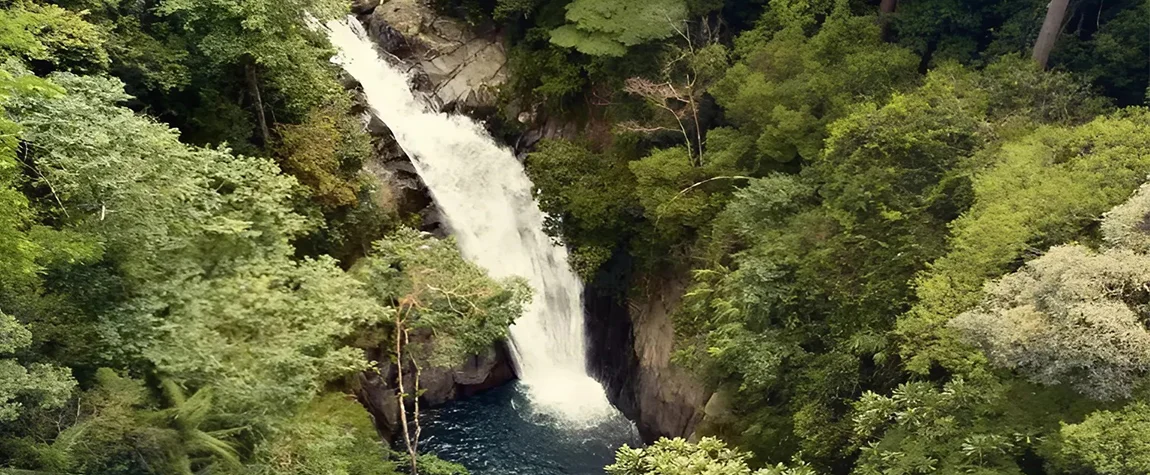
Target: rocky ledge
x: 376, y: 389
x: 632, y: 338
x: 459, y: 66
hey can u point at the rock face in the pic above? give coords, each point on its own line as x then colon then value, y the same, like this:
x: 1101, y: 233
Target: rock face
x: 461, y: 67
x: 377, y: 390
x: 669, y: 398
x: 631, y: 343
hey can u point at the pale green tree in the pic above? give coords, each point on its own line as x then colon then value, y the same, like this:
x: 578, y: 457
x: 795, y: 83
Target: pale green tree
x: 608, y: 28
x: 710, y: 456
x: 1074, y: 315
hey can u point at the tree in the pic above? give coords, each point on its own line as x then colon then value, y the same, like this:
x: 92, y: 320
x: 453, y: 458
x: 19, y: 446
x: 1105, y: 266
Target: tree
x: 788, y: 84
x: 323, y: 153
x: 608, y: 28
x: 23, y: 251
x: 332, y: 434
x: 36, y: 385
x: 710, y: 456
x: 49, y: 37
x: 1074, y: 315
x: 923, y: 429
x: 1051, y: 28
x: 1042, y: 189
x: 588, y: 198
x: 267, y: 337
x: 1064, y: 318
x: 687, y: 73
x: 1109, y: 442
x: 161, y: 212
x: 441, y: 308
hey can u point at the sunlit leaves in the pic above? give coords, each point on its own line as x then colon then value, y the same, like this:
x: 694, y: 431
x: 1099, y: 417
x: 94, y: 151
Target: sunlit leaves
x: 440, y: 293
x: 710, y: 456
x: 608, y: 28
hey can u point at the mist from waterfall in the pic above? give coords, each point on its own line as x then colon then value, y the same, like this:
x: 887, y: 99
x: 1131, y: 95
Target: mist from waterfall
x: 486, y: 199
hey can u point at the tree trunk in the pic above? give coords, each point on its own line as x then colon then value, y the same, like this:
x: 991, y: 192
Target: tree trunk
x: 1051, y: 27
x: 885, y: 9
x: 254, y: 89
x: 400, y: 338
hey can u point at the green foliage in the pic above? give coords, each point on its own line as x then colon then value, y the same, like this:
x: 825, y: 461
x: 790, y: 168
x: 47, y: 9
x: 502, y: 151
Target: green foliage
x: 678, y: 457
x: 1035, y: 191
x: 271, y: 35
x: 437, y: 291
x: 164, y: 209
x: 333, y: 434
x: 48, y: 34
x: 680, y: 197
x: 788, y: 85
x: 432, y: 465
x: 1069, y: 316
x: 943, y: 30
x: 276, y: 323
x: 36, y: 385
x: 1074, y: 315
x: 587, y: 197
x: 324, y: 153
x: 1109, y: 442
x: 980, y: 424
x: 921, y: 429
x: 22, y: 251
x: 1100, y: 39
x: 184, y: 255
x: 1104, y: 55
x: 608, y: 28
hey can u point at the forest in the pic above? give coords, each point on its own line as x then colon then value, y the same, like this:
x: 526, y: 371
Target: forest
x: 916, y: 233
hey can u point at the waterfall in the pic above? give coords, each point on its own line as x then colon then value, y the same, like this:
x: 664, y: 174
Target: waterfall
x: 486, y: 199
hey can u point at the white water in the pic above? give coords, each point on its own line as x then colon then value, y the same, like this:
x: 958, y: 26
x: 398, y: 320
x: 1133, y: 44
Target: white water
x: 485, y: 196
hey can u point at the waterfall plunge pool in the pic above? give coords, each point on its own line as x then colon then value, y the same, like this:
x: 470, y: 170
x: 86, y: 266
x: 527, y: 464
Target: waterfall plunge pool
x: 565, y: 424
x: 500, y: 432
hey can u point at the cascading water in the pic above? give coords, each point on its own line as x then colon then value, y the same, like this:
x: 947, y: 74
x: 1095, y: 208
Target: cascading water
x: 486, y: 198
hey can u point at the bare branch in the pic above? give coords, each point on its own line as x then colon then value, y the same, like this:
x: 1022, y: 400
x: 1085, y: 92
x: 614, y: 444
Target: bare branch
x: 696, y: 185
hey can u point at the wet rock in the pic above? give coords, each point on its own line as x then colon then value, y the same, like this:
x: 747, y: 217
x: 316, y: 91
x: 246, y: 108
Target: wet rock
x: 363, y: 6
x: 377, y: 390
x: 388, y: 39
x: 438, y: 385
x: 716, y: 415
x: 379, y: 398
x: 477, y: 368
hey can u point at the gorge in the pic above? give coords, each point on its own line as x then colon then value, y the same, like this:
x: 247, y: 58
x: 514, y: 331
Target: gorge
x: 798, y: 237
x: 486, y: 200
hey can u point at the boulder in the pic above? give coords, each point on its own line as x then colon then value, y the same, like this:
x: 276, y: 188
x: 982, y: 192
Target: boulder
x: 377, y: 390
x: 463, y: 67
